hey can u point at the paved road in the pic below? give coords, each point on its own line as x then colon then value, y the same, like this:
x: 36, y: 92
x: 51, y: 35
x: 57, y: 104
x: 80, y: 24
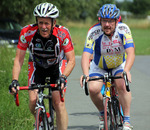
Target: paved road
x: 84, y: 116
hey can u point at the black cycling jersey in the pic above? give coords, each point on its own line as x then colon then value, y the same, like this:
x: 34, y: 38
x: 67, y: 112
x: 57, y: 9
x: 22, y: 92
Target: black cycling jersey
x: 44, y: 51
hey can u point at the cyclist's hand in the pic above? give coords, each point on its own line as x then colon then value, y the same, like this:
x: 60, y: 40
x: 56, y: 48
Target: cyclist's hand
x: 128, y: 75
x: 62, y: 82
x: 82, y: 78
x: 13, y: 87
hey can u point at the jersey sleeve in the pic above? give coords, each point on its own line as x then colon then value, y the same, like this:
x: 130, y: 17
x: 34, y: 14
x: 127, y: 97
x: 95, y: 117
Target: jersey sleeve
x: 128, y: 41
x: 22, y: 43
x: 127, y: 36
x: 67, y: 44
x: 92, y: 35
x: 89, y: 44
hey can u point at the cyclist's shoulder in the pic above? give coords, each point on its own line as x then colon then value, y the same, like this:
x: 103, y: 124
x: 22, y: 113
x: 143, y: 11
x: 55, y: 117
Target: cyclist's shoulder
x: 61, y: 32
x: 94, y: 31
x: 60, y: 29
x: 122, y: 28
x: 94, y: 27
x: 26, y: 34
x: 29, y: 29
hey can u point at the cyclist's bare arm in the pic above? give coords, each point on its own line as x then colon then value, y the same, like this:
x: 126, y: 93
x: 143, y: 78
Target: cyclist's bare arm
x: 129, y: 61
x: 85, y: 65
x: 70, y: 63
x: 18, y: 62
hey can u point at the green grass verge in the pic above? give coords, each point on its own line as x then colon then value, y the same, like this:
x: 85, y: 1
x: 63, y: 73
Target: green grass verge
x: 11, y: 116
x: 141, y: 38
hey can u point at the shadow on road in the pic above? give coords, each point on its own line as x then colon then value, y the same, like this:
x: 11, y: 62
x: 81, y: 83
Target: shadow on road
x: 86, y: 113
x: 83, y: 127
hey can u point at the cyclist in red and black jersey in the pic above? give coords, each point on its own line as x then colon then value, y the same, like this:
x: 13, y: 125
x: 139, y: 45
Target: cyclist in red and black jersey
x: 51, y: 55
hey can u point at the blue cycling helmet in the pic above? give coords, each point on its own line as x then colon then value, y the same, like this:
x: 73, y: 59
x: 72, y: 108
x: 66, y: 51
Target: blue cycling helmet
x: 109, y: 11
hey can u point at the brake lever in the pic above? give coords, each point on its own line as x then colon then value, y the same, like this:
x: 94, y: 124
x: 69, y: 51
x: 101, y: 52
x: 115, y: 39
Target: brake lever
x: 16, y: 98
x: 126, y: 81
x: 61, y: 93
x: 85, y: 85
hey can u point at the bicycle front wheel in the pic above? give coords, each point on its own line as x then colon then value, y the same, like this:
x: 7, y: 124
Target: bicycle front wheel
x: 41, y: 120
x: 118, y: 113
x: 109, y: 118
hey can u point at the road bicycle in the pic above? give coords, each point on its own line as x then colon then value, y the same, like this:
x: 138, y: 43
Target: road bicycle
x: 44, y: 120
x: 113, y: 114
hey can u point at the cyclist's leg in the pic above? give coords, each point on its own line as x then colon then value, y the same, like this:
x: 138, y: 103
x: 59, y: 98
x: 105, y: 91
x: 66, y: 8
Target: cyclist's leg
x: 32, y: 93
x: 61, y: 112
x: 95, y: 95
x: 124, y: 96
x: 34, y: 76
x: 96, y: 86
x: 59, y: 106
x: 32, y: 101
x: 95, y: 92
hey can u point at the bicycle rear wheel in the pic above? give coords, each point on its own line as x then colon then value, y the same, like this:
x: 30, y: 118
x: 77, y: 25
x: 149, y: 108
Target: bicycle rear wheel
x: 109, y: 118
x: 41, y: 120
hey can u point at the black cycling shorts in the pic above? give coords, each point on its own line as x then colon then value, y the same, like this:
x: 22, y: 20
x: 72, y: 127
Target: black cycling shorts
x: 37, y: 74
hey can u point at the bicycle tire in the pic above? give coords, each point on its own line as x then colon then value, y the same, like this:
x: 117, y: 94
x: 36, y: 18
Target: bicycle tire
x: 109, y: 118
x: 41, y: 120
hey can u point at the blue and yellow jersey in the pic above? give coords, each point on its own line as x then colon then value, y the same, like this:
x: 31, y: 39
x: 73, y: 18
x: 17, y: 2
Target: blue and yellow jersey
x: 108, y: 54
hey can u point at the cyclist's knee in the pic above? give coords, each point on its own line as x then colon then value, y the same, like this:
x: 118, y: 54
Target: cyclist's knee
x: 121, y: 86
x: 59, y: 105
x: 32, y: 98
x: 94, y: 89
x: 32, y: 106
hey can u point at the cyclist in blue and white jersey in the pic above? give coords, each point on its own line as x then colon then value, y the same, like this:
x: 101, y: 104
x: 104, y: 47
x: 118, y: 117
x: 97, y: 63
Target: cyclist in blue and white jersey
x: 112, y: 46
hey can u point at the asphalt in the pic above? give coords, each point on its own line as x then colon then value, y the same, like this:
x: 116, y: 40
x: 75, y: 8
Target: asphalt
x: 84, y: 116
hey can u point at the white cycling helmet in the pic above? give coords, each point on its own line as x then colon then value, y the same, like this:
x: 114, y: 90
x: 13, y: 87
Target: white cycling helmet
x: 46, y: 10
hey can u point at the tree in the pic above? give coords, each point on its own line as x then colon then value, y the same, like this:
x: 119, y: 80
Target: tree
x: 19, y: 10
x: 75, y: 10
x: 140, y: 7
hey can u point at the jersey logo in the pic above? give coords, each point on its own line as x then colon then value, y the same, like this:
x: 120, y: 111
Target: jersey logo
x: 22, y: 39
x: 94, y: 33
x: 38, y: 45
x: 66, y: 41
x: 115, y: 50
x: 61, y: 35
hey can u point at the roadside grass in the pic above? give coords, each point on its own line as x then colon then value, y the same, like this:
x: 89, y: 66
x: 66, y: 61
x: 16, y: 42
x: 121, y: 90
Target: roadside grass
x: 20, y: 118
x: 137, y: 23
x: 140, y: 29
x: 142, y: 41
x: 11, y: 116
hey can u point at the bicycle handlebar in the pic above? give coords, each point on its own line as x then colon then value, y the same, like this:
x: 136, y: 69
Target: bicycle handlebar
x: 102, y: 77
x: 115, y: 77
x: 32, y: 87
x: 105, y: 78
